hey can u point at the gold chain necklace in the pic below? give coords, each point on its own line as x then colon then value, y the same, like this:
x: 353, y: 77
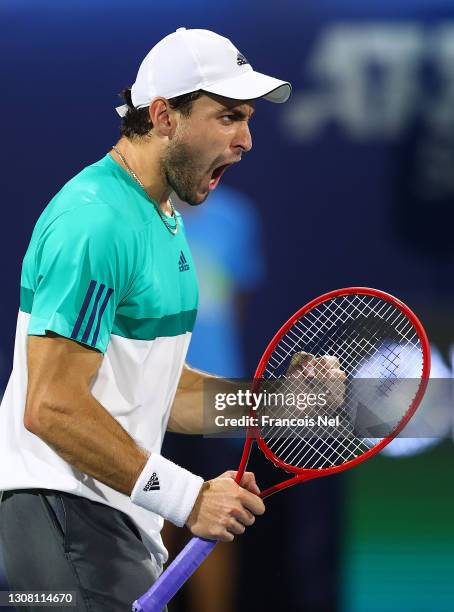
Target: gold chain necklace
x: 172, y: 230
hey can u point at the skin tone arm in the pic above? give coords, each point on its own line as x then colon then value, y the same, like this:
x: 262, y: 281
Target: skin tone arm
x: 187, y: 415
x: 61, y: 410
x: 192, y: 413
x: 187, y: 410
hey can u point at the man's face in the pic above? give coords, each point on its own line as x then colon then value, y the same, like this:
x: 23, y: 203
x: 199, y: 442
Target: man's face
x: 214, y: 136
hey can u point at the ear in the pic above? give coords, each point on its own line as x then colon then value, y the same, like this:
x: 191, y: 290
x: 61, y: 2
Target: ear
x: 162, y: 117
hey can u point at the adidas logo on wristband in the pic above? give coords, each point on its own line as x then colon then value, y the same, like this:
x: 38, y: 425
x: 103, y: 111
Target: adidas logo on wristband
x: 153, y: 483
x: 176, y: 497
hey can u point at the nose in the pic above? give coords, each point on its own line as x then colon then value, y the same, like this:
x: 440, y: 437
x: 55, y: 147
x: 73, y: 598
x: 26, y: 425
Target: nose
x: 243, y: 138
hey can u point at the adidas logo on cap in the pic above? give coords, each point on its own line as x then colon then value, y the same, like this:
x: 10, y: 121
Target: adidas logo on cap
x: 240, y: 59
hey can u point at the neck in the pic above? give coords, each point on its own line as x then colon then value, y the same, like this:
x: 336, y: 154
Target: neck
x: 143, y: 157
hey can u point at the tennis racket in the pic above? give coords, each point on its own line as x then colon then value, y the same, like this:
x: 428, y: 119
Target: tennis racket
x: 384, y: 352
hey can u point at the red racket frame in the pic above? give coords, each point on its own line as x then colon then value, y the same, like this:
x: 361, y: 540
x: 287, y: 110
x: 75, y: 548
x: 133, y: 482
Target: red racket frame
x: 303, y: 474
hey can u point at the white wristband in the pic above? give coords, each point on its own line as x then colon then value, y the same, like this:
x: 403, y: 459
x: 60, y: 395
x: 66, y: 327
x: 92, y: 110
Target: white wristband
x: 167, y: 489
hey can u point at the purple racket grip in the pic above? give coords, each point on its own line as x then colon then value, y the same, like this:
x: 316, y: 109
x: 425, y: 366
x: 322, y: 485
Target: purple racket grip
x: 175, y: 576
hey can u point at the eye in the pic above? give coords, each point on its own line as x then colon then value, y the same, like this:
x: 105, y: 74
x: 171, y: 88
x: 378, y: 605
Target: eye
x: 227, y: 118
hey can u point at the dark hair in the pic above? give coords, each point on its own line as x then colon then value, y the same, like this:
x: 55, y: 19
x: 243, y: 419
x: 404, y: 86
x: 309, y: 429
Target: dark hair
x: 137, y: 121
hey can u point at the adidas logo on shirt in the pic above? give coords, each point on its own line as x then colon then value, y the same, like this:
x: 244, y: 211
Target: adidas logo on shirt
x: 153, y: 483
x: 182, y: 263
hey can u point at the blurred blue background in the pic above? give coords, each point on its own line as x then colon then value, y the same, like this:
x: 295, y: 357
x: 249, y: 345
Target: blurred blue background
x: 352, y: 182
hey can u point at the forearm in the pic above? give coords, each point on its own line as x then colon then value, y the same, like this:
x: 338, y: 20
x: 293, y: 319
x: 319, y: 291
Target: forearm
x: 61, y: 410
x: 85, y: 435
x: 187, y: 414
x: 193, y: 410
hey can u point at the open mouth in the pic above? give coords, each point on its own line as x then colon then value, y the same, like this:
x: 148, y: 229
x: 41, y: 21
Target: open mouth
x: 216, y: 176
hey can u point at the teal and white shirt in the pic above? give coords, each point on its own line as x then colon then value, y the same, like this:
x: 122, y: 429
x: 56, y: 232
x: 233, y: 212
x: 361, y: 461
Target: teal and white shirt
x: 102, y: 268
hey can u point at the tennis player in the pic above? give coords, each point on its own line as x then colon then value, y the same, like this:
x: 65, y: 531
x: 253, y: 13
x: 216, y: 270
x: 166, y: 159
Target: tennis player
x: 107, y: 305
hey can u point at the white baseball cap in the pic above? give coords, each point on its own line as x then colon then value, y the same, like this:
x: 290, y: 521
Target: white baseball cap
x: 189, y: 60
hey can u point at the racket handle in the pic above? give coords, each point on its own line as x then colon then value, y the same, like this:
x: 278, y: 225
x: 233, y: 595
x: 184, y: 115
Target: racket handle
x: 170, y: 581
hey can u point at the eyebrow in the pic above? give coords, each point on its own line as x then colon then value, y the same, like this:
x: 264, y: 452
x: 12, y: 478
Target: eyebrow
x: 237, y: 113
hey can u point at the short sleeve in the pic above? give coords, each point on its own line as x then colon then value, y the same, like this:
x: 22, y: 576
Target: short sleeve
x: 82, y: 266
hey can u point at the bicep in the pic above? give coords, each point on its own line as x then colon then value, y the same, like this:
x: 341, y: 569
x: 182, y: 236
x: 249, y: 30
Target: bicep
x: 58, y: 369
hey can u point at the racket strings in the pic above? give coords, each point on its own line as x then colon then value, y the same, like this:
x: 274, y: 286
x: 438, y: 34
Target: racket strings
x: 318, y: 324
x: 299, y: 445
x: 377, y: 347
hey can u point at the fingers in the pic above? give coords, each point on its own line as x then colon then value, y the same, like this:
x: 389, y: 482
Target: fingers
x: 250, y: 499
x: 325, y: 364
x: 304, y: 364
x: 320, y: 375
x: 229, y: 474
x: 248, y: 491
x: 225, y: 509
x: 328, y: 361
x: 329, y: 367
x: 246, y: 518
x: 252, y: 502
x: 240, y: 516
x: 235, y: 525
x: 226, y: 537
x: 247, y: 481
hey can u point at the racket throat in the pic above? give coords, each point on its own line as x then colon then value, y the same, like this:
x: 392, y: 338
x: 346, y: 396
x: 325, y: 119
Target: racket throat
x: 244, y: 459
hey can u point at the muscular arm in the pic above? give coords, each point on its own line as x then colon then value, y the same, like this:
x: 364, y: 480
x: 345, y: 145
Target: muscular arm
x: 61, y: 410
x: 191, y: 414
x: 187, y: 410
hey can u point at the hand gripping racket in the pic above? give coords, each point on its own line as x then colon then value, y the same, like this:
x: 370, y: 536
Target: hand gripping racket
x: 384, y: 352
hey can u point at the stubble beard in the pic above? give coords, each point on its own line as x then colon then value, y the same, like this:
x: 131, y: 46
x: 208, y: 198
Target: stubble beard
x: 182, y: 172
